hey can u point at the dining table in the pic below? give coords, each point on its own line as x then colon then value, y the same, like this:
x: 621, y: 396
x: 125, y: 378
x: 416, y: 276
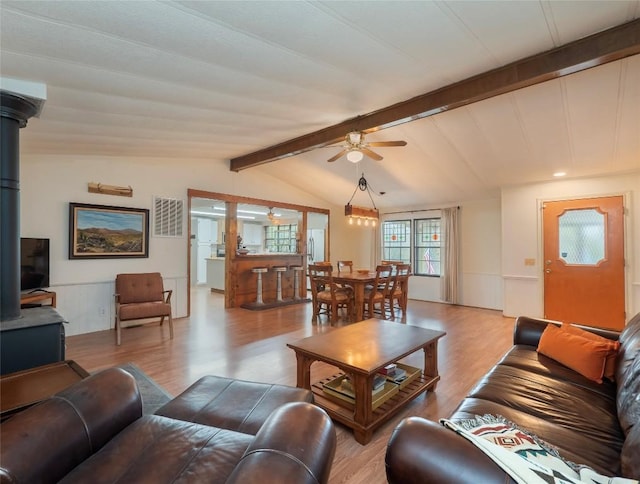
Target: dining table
x: 357, y: 279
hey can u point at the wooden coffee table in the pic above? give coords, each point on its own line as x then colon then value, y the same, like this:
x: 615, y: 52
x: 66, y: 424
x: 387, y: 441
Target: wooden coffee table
x: 361, y: 350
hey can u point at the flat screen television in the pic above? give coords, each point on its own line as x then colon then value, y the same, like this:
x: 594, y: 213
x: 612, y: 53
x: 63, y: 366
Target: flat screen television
x: 34, y: 264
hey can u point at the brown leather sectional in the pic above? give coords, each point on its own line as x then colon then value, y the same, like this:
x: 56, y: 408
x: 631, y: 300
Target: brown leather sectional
x: 597, y: 425
x: 95, y: 432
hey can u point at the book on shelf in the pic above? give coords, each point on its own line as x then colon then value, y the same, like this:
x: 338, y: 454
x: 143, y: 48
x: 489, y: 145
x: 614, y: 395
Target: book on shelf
x: 389, y: 369
x: 334, y: 390
x: 345, y: 387
x: 378, y: 381
x: 378, y: 384
x: 396, y: 374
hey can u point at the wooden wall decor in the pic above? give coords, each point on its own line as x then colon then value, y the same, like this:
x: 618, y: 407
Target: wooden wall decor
x: 110, y: 189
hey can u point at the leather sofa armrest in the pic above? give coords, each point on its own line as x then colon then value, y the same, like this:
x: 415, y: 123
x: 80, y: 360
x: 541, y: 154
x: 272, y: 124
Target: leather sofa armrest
x: 420, y: 451
x: 45, y: 442
x: 296, y: 443
x: 527, y: 331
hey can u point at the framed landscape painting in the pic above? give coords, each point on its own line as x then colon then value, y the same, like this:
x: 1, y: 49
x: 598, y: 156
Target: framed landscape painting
x: 104, y: 232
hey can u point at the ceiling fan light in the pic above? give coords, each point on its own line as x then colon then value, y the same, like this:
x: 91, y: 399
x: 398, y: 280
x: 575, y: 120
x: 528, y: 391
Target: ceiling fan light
x: 354, y: 156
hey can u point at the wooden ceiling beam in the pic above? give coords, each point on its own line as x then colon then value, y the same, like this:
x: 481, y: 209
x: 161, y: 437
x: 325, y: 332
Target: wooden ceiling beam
x: 606, y: 46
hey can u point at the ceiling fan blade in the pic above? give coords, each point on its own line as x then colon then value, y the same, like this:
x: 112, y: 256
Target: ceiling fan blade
x: 334, y: 158
x: 371, y: 154
x: 387, y: 143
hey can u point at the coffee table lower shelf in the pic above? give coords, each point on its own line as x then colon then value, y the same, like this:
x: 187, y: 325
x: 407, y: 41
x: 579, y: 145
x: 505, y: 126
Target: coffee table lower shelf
x: 343, y: 411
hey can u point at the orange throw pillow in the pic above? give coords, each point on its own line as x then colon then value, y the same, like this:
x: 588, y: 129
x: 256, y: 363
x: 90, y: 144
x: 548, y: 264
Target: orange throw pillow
x: 583, y: 355
x: 614, y: 346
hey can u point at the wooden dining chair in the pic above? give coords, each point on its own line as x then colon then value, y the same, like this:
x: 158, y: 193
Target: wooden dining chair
x: 392, y: 263
x: 327, y: 296
x: 375, y: 295
x: 398, y: 290
x: 345, y: 266
x: 141, y: 296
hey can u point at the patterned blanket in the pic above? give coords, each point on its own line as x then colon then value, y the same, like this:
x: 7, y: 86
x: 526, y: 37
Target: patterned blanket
x: 522, y: 455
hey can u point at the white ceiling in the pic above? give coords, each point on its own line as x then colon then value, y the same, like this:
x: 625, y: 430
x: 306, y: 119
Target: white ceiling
x: 217, y: 80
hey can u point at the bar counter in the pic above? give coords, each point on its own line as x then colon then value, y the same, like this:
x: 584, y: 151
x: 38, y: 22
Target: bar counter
x: 245, y: 283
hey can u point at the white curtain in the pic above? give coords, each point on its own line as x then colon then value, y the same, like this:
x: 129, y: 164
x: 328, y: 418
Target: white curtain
x: 450, y: 255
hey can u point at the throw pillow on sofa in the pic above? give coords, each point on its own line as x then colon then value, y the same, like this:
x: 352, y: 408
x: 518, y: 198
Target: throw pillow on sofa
x: 582, y: 355
x: 610, y: 365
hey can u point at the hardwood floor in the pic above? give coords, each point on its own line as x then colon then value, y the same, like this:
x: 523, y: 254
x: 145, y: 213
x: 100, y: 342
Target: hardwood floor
x: 251, y: 345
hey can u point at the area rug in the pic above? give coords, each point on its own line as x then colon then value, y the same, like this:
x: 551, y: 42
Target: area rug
x: 153, y: 395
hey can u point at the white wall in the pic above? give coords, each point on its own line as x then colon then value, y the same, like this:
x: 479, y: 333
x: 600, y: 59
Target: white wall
x: 480, y: 255
x: 522, y: 237
x: 356, y: 243
x: 497, y: 235
x: 85, y: 287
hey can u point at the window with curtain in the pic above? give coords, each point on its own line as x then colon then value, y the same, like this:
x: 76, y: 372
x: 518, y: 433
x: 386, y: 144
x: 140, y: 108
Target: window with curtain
x: 396, y: 240
x: 427, y: 247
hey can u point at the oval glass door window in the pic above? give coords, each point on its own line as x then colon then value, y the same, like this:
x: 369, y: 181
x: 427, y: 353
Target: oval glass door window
x: 582, y: 236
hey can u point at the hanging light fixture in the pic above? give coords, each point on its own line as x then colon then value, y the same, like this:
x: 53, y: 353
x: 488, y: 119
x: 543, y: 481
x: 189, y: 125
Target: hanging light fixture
x: 354, y: 155
x: 355, y: 140
x: 272, y: 216
x: 362, y: 213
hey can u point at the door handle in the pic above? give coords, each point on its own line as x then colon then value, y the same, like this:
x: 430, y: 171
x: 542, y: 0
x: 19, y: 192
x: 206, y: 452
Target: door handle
x: 548, y: 271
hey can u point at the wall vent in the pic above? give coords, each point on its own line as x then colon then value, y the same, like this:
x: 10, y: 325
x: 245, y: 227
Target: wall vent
x: 167, y: 217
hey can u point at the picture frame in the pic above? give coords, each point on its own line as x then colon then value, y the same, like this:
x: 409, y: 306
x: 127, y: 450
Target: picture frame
x: 107, y: 232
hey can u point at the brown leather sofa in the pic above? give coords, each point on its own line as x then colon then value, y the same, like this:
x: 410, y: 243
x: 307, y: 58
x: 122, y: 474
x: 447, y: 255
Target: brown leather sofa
x: 597, y: 425
x: 95, y: 432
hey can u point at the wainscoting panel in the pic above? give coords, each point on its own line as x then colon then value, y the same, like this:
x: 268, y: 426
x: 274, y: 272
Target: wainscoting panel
x: 90, y: 307
x: 522, y: 296
x: 482, y: 290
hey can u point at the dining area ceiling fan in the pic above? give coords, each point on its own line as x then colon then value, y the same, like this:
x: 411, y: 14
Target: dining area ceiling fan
x: 355, y: 147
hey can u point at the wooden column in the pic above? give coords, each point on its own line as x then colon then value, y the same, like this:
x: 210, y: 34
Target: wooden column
x: 231, y: 275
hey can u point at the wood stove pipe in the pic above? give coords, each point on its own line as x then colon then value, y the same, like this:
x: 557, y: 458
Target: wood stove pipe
x: 15, y: 110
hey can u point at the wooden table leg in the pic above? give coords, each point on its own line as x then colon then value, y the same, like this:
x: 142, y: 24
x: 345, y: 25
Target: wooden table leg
x: 362, y: 386
x: 358, y: 300
x: 431, y: 361
x: 303, y: 371
x: 363, y: 436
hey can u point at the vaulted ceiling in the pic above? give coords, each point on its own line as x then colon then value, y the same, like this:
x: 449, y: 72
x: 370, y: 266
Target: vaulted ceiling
x: 218, y: 80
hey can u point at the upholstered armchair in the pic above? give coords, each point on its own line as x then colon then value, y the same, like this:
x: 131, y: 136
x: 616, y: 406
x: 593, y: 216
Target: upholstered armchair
x: 141, y: 296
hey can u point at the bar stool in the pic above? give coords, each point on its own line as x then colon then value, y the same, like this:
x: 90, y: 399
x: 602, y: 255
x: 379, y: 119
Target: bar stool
x: 259, y: 271
x: 279, y: 270
x: 296, y: 281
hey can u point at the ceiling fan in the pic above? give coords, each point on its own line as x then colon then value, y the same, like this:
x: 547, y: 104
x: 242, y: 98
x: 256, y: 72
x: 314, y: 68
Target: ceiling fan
x: 356, y: 147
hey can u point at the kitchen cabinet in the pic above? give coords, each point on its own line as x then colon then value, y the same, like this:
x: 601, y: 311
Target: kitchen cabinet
x: 252, y: 234
x: 215, y: 273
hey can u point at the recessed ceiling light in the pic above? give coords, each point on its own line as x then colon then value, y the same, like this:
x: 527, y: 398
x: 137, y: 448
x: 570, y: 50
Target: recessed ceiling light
x: 559, y: 173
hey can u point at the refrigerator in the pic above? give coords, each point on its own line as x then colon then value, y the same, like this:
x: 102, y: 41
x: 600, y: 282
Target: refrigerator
x: 315, y: 245
x: 315, y: 248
